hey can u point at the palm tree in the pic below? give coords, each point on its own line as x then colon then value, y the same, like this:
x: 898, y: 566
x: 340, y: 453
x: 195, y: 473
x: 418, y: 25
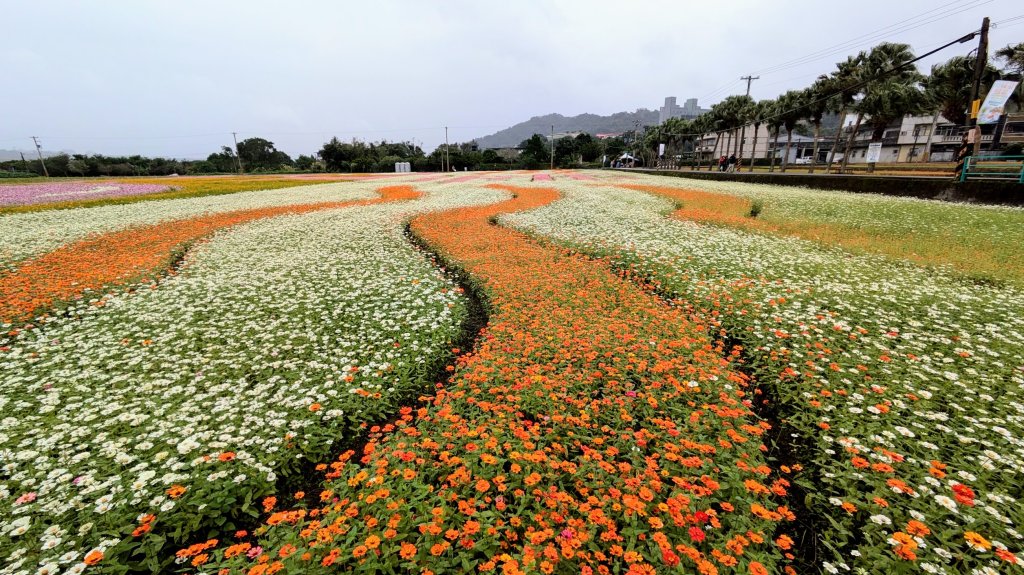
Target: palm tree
x: 845, y: 83
x: 948, y: 91
x: 892, y: 90
x: 774, y: 123
x: 701, y: 126
x: 733, y: 112
x: 759, y: 112
x: 744, y: 114
x: 716, y: 125
x: 816, y: 103
x: 1013, y: 55
x: 791, y: 109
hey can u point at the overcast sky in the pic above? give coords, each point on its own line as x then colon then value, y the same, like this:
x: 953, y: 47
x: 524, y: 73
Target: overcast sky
x: 176, y: 78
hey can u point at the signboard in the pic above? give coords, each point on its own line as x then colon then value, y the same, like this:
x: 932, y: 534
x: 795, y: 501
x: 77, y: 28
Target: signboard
x: 992, y: 107
x: 661, y: 150
x: 874, y: 152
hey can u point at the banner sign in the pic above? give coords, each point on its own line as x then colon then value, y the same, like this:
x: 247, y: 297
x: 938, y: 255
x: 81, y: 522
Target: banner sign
x: 992, y: 107
x: 661, y: 150
x: 874, y: 152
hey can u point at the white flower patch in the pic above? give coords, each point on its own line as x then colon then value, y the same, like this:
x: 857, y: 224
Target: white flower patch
x: 276, y: 338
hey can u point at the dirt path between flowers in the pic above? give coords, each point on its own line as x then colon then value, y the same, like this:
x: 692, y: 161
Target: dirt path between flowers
x: 132, y: 255
x: 592, y: 428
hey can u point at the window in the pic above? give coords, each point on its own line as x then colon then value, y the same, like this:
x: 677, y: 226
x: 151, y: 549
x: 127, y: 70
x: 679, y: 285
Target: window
x: 1014, y: 128
x: 921, y: 130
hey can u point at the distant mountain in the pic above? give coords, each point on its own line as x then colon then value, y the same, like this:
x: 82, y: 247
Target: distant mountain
x: 590, y: 123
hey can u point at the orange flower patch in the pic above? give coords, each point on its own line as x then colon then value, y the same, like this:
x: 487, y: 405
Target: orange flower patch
x: 563, y: 443
x: 128, y: 256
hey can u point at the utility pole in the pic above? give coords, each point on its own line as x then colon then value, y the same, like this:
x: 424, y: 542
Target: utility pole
x: 39, y: 151
x: 973, y: 132
x: 552, y: 146
x: 749, y: 79
x: 743, y: 131
x: 979, y: 70
x: 447, y: 163
x: 237, y: 155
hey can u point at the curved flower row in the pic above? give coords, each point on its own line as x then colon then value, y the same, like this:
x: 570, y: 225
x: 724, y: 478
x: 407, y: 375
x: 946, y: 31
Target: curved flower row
x: 169, y: 411
x: 904, y: 387
x: 130, y: 255
x: 594, y: 429
x: 980, y: 241
x: 24, y: 235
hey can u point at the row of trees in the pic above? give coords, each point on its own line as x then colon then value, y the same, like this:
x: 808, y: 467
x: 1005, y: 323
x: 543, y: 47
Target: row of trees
x: 876, y: 85
x: 258, y: 155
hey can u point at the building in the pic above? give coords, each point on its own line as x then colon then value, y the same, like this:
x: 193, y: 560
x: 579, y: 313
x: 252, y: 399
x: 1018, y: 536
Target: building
x: 931, y: 138
x: 689, y: 110
x: 762, y: 148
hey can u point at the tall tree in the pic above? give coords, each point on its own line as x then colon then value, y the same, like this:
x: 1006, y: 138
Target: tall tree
x: 846, y: 85
x: 893, y: 89
x: 1013, y: 58
x: 817, y: 100
x: 791, y: 109
x: 260, y: 154
x: 759, y: 112
x: 948, y: 92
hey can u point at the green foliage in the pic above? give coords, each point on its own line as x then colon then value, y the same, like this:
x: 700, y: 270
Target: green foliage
x: 889, y: 95
x: 260, y: 155
x: 535, y: 152
x: 359, y: 156
x: 949, y: 87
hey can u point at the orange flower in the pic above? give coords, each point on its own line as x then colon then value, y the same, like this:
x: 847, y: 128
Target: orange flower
x: 408, y: 551
x: 226, y: 456
x: 93, y: 557
x: 757, y: 568
x: 176, y: 491
x: 977, y: 542
x: 917, y: 528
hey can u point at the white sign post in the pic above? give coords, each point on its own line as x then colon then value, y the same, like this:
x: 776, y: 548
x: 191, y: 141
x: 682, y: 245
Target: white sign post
x: 992, y: 107
x: 874, y: 152
x: 661, y: 150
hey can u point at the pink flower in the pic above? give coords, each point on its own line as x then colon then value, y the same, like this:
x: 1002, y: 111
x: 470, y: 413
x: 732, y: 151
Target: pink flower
x: 631, y: 393
x: 254, y: 552
x: 26, y: 498
x: 567, y: 534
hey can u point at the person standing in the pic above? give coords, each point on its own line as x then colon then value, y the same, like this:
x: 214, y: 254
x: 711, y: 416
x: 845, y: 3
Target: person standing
x: 731, y: 163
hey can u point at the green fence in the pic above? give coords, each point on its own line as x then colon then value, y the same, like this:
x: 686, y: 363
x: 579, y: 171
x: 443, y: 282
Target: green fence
x: 1004, y: 168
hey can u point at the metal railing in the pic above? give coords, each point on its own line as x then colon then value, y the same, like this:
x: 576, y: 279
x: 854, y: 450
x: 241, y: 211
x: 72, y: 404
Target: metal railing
x: 1005, y: 168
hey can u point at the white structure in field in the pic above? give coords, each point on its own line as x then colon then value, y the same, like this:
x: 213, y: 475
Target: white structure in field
x: 403, y: 167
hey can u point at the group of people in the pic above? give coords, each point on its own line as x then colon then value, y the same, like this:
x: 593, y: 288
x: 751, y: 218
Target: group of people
x: 728, y: 164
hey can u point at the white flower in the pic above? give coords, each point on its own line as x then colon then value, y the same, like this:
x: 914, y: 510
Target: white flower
x: 946, y: 502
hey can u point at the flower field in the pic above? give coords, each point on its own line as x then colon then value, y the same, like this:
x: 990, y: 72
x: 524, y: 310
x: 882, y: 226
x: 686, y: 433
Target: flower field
x: 27, y: 194
x: 901, y: 387
x: 277, y: 381
x: 31, y: 196
x: 170, y: 410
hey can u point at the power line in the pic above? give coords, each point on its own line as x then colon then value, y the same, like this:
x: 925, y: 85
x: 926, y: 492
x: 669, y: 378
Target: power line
x: 929, y: 17
x: 855, y: 86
